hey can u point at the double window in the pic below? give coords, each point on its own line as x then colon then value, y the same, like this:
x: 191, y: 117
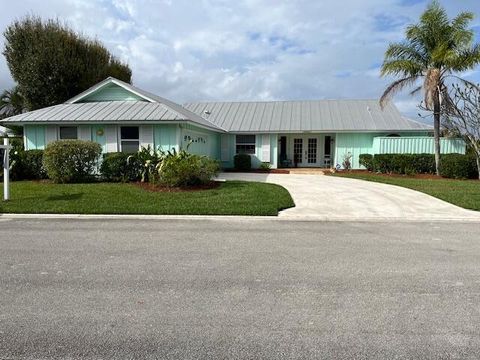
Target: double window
x: 245, y: 144
x: 68, y: 132
x: 130, y: 139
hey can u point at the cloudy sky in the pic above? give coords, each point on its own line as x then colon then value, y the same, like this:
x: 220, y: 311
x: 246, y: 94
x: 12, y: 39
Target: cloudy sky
x: 245, y: 49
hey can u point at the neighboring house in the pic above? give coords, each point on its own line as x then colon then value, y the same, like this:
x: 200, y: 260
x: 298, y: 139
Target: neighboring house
x: 317, y: 133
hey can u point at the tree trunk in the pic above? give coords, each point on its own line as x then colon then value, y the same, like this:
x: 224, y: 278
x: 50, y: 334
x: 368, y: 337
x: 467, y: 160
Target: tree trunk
x: 478, y: 164
x: 436, y: 132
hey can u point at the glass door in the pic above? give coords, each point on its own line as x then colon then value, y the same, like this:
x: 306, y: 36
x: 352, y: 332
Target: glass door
x: 312, y: 151
x: 297, y: 151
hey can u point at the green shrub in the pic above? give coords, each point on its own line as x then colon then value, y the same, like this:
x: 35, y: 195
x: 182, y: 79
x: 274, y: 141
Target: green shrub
x: 27, y: 165
x: 182, y: 169
x: 404, y: 163
x: 242, y: 162
x: 71, y: 160
x: 457, y: 166
x: 120, y: 167
x: 265, y: 166
x: 366, y: 160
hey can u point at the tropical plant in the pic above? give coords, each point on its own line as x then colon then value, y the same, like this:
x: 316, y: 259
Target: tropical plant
x: 183, y: 169
x: 347, y: 161
x: 149, y: 161
x: 11, y: 103
x: 462, y: 116
x: 435, y: 48
x: 52, y: 63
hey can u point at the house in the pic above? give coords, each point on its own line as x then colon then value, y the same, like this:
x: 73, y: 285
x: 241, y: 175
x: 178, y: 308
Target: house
x: 121, y: 117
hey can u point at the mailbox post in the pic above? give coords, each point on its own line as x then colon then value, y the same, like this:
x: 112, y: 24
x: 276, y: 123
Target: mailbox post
x: 6, y: 165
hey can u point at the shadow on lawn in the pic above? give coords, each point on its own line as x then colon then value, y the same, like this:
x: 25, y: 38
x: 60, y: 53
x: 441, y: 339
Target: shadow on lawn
x: 64, y: 197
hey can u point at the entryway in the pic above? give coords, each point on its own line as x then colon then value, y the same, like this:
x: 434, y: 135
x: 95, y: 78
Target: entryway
x: 306, y: 150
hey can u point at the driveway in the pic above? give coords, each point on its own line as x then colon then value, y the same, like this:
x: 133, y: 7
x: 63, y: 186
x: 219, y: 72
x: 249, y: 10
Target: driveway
x: 334, y: 198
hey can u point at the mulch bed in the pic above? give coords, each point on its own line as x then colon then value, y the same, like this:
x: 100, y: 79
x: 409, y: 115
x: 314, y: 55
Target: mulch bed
x: 257, y: 171
x: 159, y: 188
x: 415, y: 176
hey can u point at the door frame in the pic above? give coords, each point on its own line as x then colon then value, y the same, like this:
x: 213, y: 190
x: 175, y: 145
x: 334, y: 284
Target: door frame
x: 305, y: 142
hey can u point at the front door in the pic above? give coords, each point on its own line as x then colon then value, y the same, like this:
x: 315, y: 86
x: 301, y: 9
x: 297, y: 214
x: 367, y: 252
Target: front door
x: 305, y: 151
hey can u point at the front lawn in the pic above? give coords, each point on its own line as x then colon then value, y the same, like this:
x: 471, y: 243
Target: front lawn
x: 463, y: 193
x: 230, y: 198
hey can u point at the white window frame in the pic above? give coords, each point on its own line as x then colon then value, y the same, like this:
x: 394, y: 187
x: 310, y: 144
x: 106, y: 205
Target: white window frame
x: 121, y: 140
x: 254, y: 143
x: 66, y: 126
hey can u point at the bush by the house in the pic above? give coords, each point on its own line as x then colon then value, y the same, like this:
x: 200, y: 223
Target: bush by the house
x: 242, y: 162
x: 71, y: 160
x: 366, y: 160
x: 182, y: 169
x: 265, y: 166
x: 27, y: 165
x: 457, y: 166
x: 120, y: 167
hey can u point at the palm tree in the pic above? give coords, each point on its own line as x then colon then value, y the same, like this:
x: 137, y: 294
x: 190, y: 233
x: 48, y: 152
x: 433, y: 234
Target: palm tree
x: 436, y: 48
x: 11, y: 103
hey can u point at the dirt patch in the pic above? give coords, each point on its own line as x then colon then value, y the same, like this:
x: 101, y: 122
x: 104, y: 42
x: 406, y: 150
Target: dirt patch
x: 160, y: 188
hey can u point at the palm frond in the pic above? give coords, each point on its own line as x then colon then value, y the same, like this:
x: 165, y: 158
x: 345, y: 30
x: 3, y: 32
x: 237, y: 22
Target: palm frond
x: 402, y: 67
x: 396, y: 87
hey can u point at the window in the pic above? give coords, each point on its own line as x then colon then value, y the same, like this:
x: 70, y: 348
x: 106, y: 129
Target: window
x: 68, y: 132
x: 130, y: 141
x: 245, y: 144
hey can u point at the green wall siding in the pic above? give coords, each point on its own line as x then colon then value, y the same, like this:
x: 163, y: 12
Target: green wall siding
x: 416, y: 145
x: 353, y: 143
x: 112, y: 92
x: 34, y: 137
x: 204, y: 142
x: 165, y: 137
x: 98, y: 135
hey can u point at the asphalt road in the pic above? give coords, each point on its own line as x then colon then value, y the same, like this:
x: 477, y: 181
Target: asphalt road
x: 215, y: 289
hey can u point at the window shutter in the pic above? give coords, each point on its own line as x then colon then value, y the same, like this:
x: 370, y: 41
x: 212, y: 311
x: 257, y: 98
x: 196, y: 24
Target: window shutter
x: 224, y: 153
x: 50, y: 134
x: 84, y: 132
x: 111, y: 138
x: 146, y: 135
x: 266, y: 148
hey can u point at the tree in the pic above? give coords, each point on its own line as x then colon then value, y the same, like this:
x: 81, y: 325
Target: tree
x: 462, y: 116
x: 436, y: 48
x: 11, y: 103
x: 51, y: 63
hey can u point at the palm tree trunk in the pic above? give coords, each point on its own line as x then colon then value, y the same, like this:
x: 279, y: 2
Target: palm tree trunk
x: 436, y: 132
x: 478, y: 165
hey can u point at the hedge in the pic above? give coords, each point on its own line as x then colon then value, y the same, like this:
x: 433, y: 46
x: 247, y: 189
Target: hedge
x: 242, y: 162
x: 120, y: 167
x: 27, y: 165
x: 455, y: 166
x: 71, y: 160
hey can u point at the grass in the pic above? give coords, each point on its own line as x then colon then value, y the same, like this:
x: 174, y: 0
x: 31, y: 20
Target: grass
x: 463, y: 193
x: 230, y: 198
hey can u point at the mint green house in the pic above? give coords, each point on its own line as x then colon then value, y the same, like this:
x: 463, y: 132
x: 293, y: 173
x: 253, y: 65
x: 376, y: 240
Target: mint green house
x: 123, y: 118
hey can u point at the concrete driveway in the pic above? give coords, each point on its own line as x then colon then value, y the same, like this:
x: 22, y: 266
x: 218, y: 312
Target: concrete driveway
x: 334, y: 198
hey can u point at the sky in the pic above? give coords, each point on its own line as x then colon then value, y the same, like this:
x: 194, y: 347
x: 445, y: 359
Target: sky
x: 221, y: 50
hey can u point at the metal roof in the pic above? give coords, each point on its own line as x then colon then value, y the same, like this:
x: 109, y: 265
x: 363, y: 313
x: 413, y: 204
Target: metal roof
x: 155, y: 108
x: 298, y: 116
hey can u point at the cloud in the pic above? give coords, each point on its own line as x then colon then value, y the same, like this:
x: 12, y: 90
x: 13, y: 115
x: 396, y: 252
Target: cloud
x: 244, y: 50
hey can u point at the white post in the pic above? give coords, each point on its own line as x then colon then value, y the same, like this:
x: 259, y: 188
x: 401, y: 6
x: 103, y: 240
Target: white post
x: 6, y: 170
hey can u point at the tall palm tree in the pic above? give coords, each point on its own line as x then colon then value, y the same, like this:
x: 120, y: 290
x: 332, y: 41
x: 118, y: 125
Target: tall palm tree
x: 11, y: 103
x: 434, y: 49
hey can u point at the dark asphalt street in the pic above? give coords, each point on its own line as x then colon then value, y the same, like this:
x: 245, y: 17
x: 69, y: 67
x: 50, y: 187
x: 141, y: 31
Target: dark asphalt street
x: 237, y: 289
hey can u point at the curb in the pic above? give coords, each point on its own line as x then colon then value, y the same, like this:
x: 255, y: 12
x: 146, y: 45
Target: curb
x: 233, y: 218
